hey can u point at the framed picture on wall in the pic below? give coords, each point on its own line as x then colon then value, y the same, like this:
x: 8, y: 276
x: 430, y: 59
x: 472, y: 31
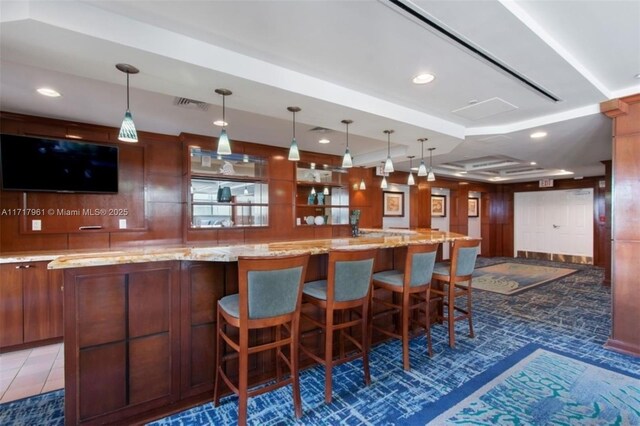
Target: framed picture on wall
x: 438, y: 206
x: 392, y: 204
x: 473, y: 207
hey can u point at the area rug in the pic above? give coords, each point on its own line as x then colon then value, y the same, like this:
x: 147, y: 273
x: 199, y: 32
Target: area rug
x: 512, y: 278
x: 543, y: 387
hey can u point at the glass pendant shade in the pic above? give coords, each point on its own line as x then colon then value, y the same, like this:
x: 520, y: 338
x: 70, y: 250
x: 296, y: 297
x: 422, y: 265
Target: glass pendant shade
x: 422, y: 170
x: 128, y: 129
x: 388, y: 165
x: 294, y: 153
x: 383, y: 184
x: 325, y: 191
x: 363, y: 185
x: 347, y: 161
x: 431, y: 177
x: 224, y: 148
x: 313, y: 191
x: 411, y: 181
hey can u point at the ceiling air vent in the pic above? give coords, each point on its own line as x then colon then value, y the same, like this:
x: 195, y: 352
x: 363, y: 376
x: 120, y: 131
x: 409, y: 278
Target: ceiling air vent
x: 319, y: 129
x: 190, y: 104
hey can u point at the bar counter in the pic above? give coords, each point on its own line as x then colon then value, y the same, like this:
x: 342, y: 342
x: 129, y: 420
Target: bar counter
x: 370, y: 238
x: 139, y: 324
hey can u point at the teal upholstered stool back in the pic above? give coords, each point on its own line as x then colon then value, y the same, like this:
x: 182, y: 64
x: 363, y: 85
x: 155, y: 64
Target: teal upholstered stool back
x: 352, y: 279
x: 273, y: 293
x: 466, y: 261
x: 422, y: 268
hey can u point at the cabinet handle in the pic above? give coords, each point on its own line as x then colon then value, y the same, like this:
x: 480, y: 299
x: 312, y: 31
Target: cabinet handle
x: 89, y: 227
x: 28, y: 266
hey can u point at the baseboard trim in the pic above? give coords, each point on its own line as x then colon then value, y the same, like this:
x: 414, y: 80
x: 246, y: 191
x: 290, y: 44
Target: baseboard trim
x: 623, y: 347
x: 555, y: 257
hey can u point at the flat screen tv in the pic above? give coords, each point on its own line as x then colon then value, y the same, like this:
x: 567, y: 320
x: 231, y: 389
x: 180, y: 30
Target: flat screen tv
x: 38, y: 164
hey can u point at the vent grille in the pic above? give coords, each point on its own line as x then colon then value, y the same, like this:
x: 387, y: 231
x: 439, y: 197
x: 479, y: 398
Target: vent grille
x: 190, y: 104
x: 319, y: 129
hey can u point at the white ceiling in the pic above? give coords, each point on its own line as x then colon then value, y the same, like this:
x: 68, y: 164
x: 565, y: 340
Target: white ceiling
x: 339, y: 60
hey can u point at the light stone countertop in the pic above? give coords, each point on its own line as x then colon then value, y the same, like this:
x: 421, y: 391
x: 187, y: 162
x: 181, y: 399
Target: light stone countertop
x: 371, y: 238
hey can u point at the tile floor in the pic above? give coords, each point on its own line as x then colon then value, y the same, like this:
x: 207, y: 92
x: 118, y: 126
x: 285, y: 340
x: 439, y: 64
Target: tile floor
x: 31, y: 371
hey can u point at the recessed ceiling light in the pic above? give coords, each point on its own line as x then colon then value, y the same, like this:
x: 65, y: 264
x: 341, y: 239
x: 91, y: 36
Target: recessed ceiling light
x: 423, y: 78
x: 415, y: 169
x: 45, y: 91
x: 637, y: 75
x: 533, y: 163
x: 324, y: 140
x: 463, y: 172
x: 538, y: 135
x: 220, y: 123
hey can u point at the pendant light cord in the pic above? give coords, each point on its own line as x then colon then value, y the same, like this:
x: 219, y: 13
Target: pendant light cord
x: 347, y: 135
x: 294, y: 124
x: 127, y: 91
x: 224, y: 122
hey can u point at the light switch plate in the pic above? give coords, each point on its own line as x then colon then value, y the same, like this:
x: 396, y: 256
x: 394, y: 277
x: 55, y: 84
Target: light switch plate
x: 36, y: 225
x: 122, y: 223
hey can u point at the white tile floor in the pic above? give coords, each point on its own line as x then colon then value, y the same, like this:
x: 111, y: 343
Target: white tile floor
x: 31, y: 371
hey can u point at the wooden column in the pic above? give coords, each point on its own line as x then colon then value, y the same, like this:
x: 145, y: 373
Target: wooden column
x: 625, y: 232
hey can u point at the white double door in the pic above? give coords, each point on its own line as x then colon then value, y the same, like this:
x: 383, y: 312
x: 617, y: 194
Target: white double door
x: 559, y: 222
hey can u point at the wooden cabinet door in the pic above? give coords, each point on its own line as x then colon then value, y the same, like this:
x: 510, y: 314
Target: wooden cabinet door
x: 11, y: 311
x: 37, y: 300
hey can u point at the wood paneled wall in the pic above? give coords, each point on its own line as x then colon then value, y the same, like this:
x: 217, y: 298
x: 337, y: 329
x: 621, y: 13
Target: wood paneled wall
x: 625, y: 335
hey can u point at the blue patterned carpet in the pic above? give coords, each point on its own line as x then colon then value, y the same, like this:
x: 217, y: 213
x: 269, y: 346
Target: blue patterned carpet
x: 571, y: 315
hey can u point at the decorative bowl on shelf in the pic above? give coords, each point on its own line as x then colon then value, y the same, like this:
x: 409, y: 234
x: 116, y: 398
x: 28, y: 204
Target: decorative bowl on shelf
x: 319, y: 220
x: 309, y: 220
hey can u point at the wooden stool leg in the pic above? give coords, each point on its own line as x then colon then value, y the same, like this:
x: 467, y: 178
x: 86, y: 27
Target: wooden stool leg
x: 216, y: 388
x: 365, y: 342
x: 295, y: 377
x: 451, y: 314
x: 328, y: 356
x: 405, y: 330
x: 470, y: 311
x: 278, y: 354
x: 428, y: 322
x: 341, y: 338
x: 243, y: 379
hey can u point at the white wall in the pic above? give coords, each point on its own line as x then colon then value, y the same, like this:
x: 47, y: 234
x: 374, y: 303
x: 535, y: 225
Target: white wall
x: 398, y: 222
x: 442, y: 223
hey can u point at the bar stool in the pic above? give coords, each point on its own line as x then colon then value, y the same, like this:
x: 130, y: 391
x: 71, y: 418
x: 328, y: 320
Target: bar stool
x: 413, y: 285
x: 347, y: 288
x: 270, y: 293
x: 459, y: 270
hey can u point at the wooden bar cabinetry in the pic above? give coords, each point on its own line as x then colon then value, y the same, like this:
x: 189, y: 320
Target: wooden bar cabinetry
x: 30, y: 304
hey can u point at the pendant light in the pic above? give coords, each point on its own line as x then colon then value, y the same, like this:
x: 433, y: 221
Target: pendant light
x: 422, y: 170
x: 411, y: 181
x: 294, y: 153
x: 224, y: 148
x: 128, y: 129
x: 363, y: 185
x: 388, y: 165
x: 347, y: 161
x: 383, y: 184
x: 431, y: 177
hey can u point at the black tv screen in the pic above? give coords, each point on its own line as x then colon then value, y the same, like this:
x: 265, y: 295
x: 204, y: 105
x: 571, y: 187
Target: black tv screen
x: 38, y: 164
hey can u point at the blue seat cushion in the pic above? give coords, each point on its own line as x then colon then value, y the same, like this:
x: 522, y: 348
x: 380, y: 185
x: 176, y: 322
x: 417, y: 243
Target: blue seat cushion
x: 230, y: 305
x: 442, y: 268
x: 391, y: 277
x: 317, y: 289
